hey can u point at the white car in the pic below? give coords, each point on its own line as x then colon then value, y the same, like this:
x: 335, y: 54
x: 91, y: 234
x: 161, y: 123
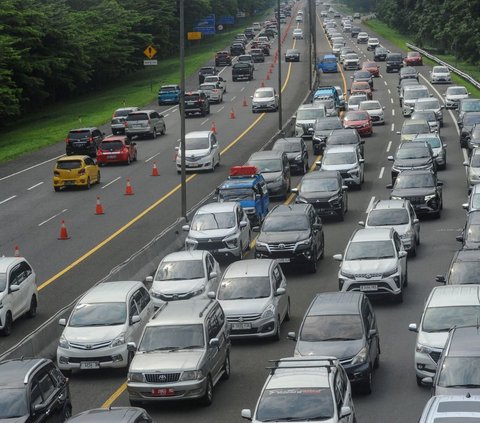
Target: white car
x: 246, y: 58
x: 212, y: 91
x: 299, y: 18
x: 183, y: 275
x: 104, y: 320
x: 454, y: 94
x: 297, y: 34
x: 18, y: 291
x: 347, y: 160
x: 217, y: 80
x: 440, y: 74
x: 362, y: 38
x: 265, y: 99
x: 355, y: 100
x: 201, y: 152
x: 375, y: 110
x: 351, y: 61
x: 372, y: 44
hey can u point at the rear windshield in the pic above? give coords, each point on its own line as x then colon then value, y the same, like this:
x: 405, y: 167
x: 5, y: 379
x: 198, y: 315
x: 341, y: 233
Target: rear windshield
x: 168, y: 89
x: 76, y: 135
x: 241, y: 65
x: 191, y: 97
x: 69, y: 164
x: 137, y: 116
x: 111, y: 145
x: 329, y: 60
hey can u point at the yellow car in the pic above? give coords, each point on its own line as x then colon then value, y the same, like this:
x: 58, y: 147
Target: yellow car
x: 75, y: 171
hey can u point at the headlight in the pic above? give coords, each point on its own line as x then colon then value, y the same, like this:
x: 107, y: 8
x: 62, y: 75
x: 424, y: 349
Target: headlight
x: 269, y: 312
x: 298, y: 158
x: 119, y: 340
x: 198, y: 292
x: 390, y: 272
x: 361, y: 357
x: 63, y: 343
x: 394, y: 197
x: 334, y: 198
x: 430, y: 197
x: 301, y: 200
x: 307, y: 241
x: 347, y: 275
x: 191, y: 243
x: 231, y: 241
x: 155, y: 294
x: 135, y: 377
x: 353, y: 172
x: 423, y: 349
x: 407, y: 235
x: 191, y: 375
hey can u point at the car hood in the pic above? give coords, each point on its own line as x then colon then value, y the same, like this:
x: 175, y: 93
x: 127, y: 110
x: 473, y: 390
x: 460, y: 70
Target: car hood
x: 340, y: 349
x: 339, y: 167
x: 411, y: 162
x: 178, y: 287
x: 22, y: 419
x: 323, y: 133
x: 400, y: 229
x: 275, y: 237
x: 375, y: 112
x: 412, y: 192
x: 456, y: 96
x: 191, y: 154
x: 293, y: 154
x: 369, y: 266
x: 320, y: 195
x: 92, y: 334
x: 164, y: 361
x: 440, y: 74
x: 432, y: 339
x: 212, y: 233
x: 245, y: 306
x: 263, y: 100
x: 359, y: 122
x: 271, y: 176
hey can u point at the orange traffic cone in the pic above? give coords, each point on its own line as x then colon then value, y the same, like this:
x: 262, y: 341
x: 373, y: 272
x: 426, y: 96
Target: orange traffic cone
x: 213, y: 128
x: 17, y: 251
x: 154, y: 169
x: 232, y: 114
x: 128, y: 188
x: 99, y: 207
x: 63, y: 232
x: 245, y: 104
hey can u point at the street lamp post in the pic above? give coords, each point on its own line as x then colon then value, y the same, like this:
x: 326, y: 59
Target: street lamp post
x: 182, y: 109
x: 280, y: 120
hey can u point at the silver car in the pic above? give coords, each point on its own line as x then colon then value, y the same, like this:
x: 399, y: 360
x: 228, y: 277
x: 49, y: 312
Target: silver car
x: 202, y: 152
x: 253, y: 294
x: 347, y: 160
x: 212, y: 91
x: 375, y: 263
x: 430, y: 104
x: 473, y: 199
x: 144, y: 123
x: 217, y: 80
x: 440, y: 74
x: 355, y: 100
x: 265, y: 99
x: 118, y: 120
x: 439, y: 149
x: 473, y: 168
x: 305, y: 118
x: 454, y: 94
x: 375, y: 110
x: 351, y: 61
x: 411, y: 93
x: 221, y: 228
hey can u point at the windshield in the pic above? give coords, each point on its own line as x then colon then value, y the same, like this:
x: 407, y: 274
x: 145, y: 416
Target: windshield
x: 441, y: 319
x: 196, y: 143
x: 208, y: 221
x: 463, y: 272
x: 267, y: 165
x: 235, y: 194
x: 416, y: 128
x: 245, y: 58
x: 78, y: 135
x: 244, y: 288
x: 263, y: 94
x: 180, y: 270
x: 356, y: 116
x: 471, y: 106
x: 13, y: 403
x: 356, y: 100
x: 460, y: 371
x: 3, y: 281
x: 475, y: 160
x: 111, y: 145
x: 295, y: 404
x: 207, y: 87
x: 172, y: 337
x: 433, y: 141
x: 330, y: 60
x: 340, y: 158
x: 370, y: 250
x: 470, y: 120
x: 387, y: 217
x: 329, y: 104
x: 319, y: 185
x: 286, y: 223
x: 420, y: 180
x: 323, y: 125
x: 168, y: 89
x: 137, y: 116
x: 428, y: 115
x: 369, y: 105
x: 69, y: 164
x: 98, y: 314
x: 413, y: 94
x: 364, y: 86
x: 412, y: 153
x: 440, y: 69
x: 310, y: 114
x: 288, y: 147
x: 427, y: 105
x: 332, y: 328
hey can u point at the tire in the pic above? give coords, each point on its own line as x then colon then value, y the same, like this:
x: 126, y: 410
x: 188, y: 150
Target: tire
x: 7, y: 329
x: 32, y: 311
x: 56, y: 189
x: 130, y: 356
x: 399, y: 297
x: 154, y: 133
x: 164, y: 130
x: 135, y: 403
x: 288, y: 314
x: 341, y: 216
x: 207, y: 398
x: 99, y: 178
x: 67, y: 413
x: 128, y: 162
x: 418, y: 239
x: 226, y: 368
x: 376, y: 363
x: 305, y: 168
x: 276, y: 335
x: 419, y: 381
x: 312, y: 265
x: 366, y: 386
x: 135, y: 157
x: 413, y: 251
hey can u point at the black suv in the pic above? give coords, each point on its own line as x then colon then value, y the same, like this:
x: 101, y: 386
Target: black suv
x: 463, y: 269
x: 322, y: 130
x: 411, y: 156
x: 236, y: 49
x: 292, y: 233
x: 394, y: 62
x: 355, y: 31
x: 423, y: 190
x: 83, y: 141
x: 296, y: 151
x: 242, y: 70
x: 223, y: 58
x: 196, y: 102
x: 33, y: 390
x: 206, y: 71
x: 346, y: 136
x: 380, y: 54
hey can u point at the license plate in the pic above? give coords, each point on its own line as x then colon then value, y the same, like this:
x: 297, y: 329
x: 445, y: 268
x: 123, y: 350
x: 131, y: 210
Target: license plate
x: 89, y: 365
x: 111, y: 156
x: 239, y: 326
x: 162, y: 392
x: 190, y: 103
x: 80, y: 144
x: 368, y: 288
x: 283, y: 260
x: 69, y: 182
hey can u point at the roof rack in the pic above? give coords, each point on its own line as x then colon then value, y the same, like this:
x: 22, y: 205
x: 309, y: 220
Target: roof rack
x: 328, y: 363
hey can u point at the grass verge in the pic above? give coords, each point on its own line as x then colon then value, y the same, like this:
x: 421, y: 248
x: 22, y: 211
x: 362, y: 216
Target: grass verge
x: 52, y: 123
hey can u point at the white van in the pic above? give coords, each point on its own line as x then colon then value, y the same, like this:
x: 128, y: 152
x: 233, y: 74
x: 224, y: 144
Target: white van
x: 201, y: 152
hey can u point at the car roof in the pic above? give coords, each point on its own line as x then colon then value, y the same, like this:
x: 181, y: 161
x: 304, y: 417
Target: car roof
x: 413, y: 122
x: 269, y: 89
x: 182, y: 312
x: 107, y: 415
x: 198, y: 134
x: 464, y: 341
x: 341, y: 148
x: 305, y: 375
x: 111, y: 292
x: 6, y: 262
x: 454, y: 295
x: 289, y: 209
x: 389, y: 204
x: 14, y: 372
x: 170, y: 86
x: 73, y: 157
x: 324, y: 174
x: 307, y: 106
x: 372, y: 234
x: 83, y: 129
x: 266, y: 154
x: 249, y: 268
x: 452, y: 408
x: 185, y: 255
x: 474, y: 217
x: 334, y: 303
x: 467, y: 255
x: 227, y: 206
x: 110, y: 138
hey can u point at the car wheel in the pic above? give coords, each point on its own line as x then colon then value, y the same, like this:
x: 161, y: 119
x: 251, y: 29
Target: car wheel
x: 56, y: 189
x: 405, y: 279
x: 203, y: 113
x: 213, y: 166
x: 419, y: 381
x: 7, y: 328
x: 418, y: 239
x: 130, y: 356
x: 88, y: 184
x: 135, y: 157
x: 67, y: 413
x: 399, y: 297
x: 276, y: 335
x: 226, y: 368
x: 366, y: 386
x: 154, y: 133
x: 341, y: 215
x: 376, y: 363
x: 288, y: 314
x: 32, y: 311
x: 207, y: 398
x: 99, y: 177
x: 312, y: 265
x: 413, y: 251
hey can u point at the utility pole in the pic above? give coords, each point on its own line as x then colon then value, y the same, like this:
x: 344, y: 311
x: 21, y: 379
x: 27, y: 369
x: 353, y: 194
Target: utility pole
x: 182, y: 109
x: 280, y: 120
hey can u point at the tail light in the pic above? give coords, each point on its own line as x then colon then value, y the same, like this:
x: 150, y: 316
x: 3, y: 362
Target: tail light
x: 90, y: 139
x: 126, y: 124
x: 81, y: 172
x: 56, y: 173
x: 66, y: 139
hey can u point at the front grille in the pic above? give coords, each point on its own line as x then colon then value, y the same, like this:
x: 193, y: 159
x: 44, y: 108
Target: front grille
x: 174, y: 297
x: 103, y: 359
x: 162, y: 377
x: 417, y: 200
x: 345, y: 175
x: 321, y: 205
x: 193, y: 158
x: 210, y: 244
x: 435, y: 355
x: 243, y: 318
x: 90, y: 347
x: 287, y: 246
x: 375, y: 118
x: 369, y: 275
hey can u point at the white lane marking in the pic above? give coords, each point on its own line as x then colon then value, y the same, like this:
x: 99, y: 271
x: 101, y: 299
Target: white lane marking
x: 31, y: 167
x: 389, y: 92
x: 234, y: 97
x: 385, y: 82
x: 370, y: 204
x: 178, y: 140
x: 34, y: 186
x: 111, y: 182
x: 8, y: 199
x: 53, y: 217
x: 168, y: 114
x: 393, y: 112
x: 170, y: 109
x: 381, y: 76
x: 393, y: 127
x: 380, y: 176
x: 221, y: 108
x: 204, y: 122
x: 391, y: 100
x: 242, y: 88
x: 389, y: 145
x: 151, y: 157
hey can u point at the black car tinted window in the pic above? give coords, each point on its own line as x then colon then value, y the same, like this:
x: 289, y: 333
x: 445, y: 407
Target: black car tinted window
x: 46, y: 385
x: 332, y: 328
x: 69, y: 164
x: 78, y: 134
x: 111, y: 145
x: 192, y: 97
x: 137, y: 116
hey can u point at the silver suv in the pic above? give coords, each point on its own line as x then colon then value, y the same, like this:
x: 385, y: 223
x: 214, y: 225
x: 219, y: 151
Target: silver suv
x: 410, y: 95
x: 375, y: 263
x: 347, y: 160
x: 183, y: 353
x: 144, y: 123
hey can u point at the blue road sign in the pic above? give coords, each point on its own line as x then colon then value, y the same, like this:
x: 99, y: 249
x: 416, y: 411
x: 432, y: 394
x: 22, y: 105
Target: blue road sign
x: 226, y: 20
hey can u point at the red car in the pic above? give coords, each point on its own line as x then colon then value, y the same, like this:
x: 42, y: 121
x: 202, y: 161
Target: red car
x: 359, y: 120
x: 414, y: 58
x: 360, y: 87
x: 116, y: 149
x: 372, y: 67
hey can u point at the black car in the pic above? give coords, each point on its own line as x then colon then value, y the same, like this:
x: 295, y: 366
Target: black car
x: 423, y: 190
x: 196, y: 102
x: 249, y: 33
x: 83, y: 141
x: 342, y: 325
x: 206, y: 71
x: 470, y: 237
x: 355, y: 31
x: 407, y: 72
x: 296, y: 152
x: 242, y: 70
x: 258, y: 56
x: 33, y: 390
x: 322, y: 130
x: 113, y: 415
x: 463, y: 269
x: 394, y: 62
x: 466, y: 124
x: 292, y: 234
x: 292, y: 55
x: 223, y: 58
x: 410, y: 156
x: 363, y: 76
x: 380, y: 54
x: 474, y: 139
x: 325, y: 191
x: 346, y: 136
x: 236, y: 49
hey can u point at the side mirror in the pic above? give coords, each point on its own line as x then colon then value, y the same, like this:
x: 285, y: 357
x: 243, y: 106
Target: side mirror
x: 38, y: 407
x: 251, y: 96
x: 131, y: 346
x: 212, y: 275
x: 292, y: 336
x: 338, y: 257
x: 311, y: 130
x: 372, y: 333
x: 459, y: 238
x: 466, y: 163
x: 135, y: 319
x: 186, y: 228
x: 402, y: 254
x: 256, y: 229
x: 440, y: 279
x: 246, y: 414
x: 294, y: 190
x: 133, y: 143
x: 390, y: 158
x: 149, y: 279
x: 412, y: 327
x: 318, y: 163
x: 161, y: 116
x: 415, y: 221
x: 398, y: 132
x: 361, y: 223
x: 214, y: 342
x: 345, y: 412
x: 280, y: 291
x: 211, y: 295
x: 465, y: 206
x: 62, y: 322
x: 439, y: 183
x: 243, y: 224
x: 361, y: 160
x: 14, y: 288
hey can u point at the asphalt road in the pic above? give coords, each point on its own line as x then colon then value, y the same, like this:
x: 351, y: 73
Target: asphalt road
x: 395, y: 397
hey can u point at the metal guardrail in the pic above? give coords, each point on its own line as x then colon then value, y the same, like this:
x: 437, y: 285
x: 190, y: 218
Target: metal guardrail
x: 458, y: 72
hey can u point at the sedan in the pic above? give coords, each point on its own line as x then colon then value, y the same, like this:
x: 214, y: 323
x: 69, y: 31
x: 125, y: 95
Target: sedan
x: 116, y: 149
x: 363, y: 76
x: 297, y: 34
x: 414, y: 58
x: 359, y: 120
x: 470, y: 237
x: 440, y: 74
x: 375, y: 110
x: 372, y: 67
x: 77, y: 171
x: 292, y: 55
x: 360, y: 87
x: 372, y: 44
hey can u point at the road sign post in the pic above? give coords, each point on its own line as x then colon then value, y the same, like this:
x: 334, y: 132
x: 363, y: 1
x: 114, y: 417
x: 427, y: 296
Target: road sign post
x: 150, y: 52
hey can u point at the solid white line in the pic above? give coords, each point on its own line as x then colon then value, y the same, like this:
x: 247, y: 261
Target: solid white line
x: 393, y: 112
x: 389, y: 92
x: 168, y: 114
x: 221, y: 108
x: 8, y: 199
x: 110, y: 183
x: 204, y: 122
x: 393, y: 127
x: 53, y: 217
x: 391, y: 100
x: 389, y: 145
x: 34, y: 186
x: 150, y: 158
x: 234, y: 97
x: 31, y: 167
x: 370, y: 204
x: 380, y: 176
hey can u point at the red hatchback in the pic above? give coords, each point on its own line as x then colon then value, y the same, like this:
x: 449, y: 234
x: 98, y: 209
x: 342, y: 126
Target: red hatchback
x: 359, y: 120
x: 116, y: 149
x: 414, y: 58
x: 372, y: 67
x: 360, y: 87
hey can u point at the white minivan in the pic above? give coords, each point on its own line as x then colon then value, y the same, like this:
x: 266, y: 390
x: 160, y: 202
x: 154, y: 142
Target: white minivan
x: 202, y: 152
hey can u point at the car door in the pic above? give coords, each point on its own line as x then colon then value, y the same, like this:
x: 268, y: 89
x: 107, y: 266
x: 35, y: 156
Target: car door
x: 286, y: 171
x: 97, y: 137
x: 214, y: 148
x: 17, y: 298
x: 211, y: 266
x: 402, y: 261
x: 144, y: 307
x: 214, y: 353
x: 46, y: 397
x: 367, y: 324
x: 278, y: 280
x: 245, y: 231
x: 316, y: 233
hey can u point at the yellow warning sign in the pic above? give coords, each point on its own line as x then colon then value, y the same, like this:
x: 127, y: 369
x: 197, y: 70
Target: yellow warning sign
x: 194, y: 35
x: 150, y: 51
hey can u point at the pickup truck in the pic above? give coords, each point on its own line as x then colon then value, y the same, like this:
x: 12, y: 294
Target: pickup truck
x: 242, y: 70
x: 169, y: 94
x: 218, y: 81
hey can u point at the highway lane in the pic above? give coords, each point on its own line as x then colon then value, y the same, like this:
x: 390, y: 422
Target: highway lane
x: 395, y: 393
x: 36, y: 231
